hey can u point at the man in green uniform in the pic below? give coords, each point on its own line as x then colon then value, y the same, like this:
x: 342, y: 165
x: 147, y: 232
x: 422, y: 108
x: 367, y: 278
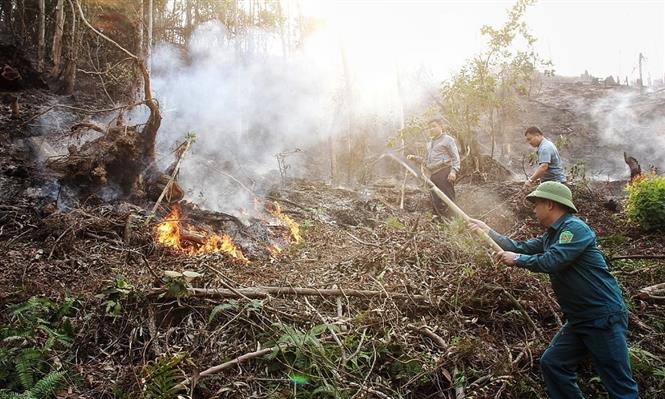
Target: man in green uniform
x: 589, y: 296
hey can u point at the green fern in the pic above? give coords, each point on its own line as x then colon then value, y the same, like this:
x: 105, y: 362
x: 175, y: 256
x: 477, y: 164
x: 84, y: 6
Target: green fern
x: 26, y: 364
x: 37, y: 330
x: 5, y: 394
x: 45, y: 387
x: 163, y: 377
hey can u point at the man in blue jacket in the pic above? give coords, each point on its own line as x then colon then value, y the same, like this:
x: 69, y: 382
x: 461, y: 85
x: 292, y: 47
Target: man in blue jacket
x: 589, y: 296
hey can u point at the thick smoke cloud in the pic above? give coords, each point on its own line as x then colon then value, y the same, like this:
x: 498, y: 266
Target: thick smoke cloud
x: 630, y: 122
x: 245, y: 107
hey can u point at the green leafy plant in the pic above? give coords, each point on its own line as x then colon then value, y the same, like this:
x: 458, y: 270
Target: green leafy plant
x: 613, y: 241
x: 483, y: 95
x: 42, y: 389
x: 38, y: 330
x: 645, y: 204
x: 162, y: 377
x: 563, y: 141
x: 577, y: 172
x: 115, y: 294
x: 178, y: 284
x: 312, y: 363
x: 644, y: 361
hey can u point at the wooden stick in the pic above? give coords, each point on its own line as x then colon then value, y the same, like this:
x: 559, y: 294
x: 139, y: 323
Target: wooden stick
x: 456, y: 209
x: 263, y: 292
x: 168, y: 185
x: 518, y: 305
x: 440, y: 342
x: 637, y: 257
x: 654, y: 289
x: 238, y: 360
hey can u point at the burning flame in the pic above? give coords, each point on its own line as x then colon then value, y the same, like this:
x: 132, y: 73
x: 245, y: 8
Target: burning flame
x: 294, y: 228
x: 190, y: 240
x: 169, y: 233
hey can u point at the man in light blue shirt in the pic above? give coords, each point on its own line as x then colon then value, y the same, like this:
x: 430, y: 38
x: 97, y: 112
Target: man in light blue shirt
x: 550, y: 167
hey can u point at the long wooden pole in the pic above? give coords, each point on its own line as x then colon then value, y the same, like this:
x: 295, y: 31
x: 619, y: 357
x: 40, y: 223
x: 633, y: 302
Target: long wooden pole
x: 264, y: 292
x: 456, y: 209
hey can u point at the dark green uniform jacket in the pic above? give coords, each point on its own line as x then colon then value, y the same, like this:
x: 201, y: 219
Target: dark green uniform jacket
x: 581, y: 281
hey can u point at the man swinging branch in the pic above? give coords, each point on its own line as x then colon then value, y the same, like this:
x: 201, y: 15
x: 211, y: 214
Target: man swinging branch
x: 589, y: 296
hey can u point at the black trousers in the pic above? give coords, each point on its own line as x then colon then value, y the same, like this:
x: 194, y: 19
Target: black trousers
x: 440, y: 179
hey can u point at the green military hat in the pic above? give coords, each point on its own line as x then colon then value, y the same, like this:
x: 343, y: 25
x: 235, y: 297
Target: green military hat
x: 555, y: 191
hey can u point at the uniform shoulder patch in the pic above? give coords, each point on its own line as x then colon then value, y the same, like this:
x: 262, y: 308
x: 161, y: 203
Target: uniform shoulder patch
x: 565, y: 237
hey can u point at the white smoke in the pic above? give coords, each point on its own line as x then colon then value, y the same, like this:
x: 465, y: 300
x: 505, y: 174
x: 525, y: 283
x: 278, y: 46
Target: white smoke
x: 246, y: 107
x: 631, y: 122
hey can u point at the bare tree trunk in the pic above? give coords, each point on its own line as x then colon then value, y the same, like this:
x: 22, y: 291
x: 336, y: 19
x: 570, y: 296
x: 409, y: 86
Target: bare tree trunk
x: 282, y: 35
x: 301, y: 25
x: 492, y: 132
x: 148, y: 44
x: 56, y: 51
x: 41, y: 35
x: 251, y: 33
x: 188, y: 20
x: 333, y: 160
x: 349, y: 112
x: 288, y: 27
x: 22, y: 33
x: 400, y: 94
x: 639, y: 61
x: 68, y: 75
x: 140, y: 30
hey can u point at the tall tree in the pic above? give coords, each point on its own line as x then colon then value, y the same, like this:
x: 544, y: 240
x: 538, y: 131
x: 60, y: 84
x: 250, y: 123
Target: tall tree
x: 149, y: 32
x: 56, y: 49
x: 348, y: 100
x: 41, y: 35
x: 67, y: 77
x: 482, y: 96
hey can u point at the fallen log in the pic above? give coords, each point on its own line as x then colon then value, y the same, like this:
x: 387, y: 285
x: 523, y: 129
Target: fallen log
x: 265, y: 292
x: 192, y: 237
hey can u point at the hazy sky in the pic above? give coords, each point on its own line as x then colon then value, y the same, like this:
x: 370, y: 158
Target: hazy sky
x: 604, y: 37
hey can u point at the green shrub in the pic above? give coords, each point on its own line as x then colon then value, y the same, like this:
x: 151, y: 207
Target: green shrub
x: 645, y: 204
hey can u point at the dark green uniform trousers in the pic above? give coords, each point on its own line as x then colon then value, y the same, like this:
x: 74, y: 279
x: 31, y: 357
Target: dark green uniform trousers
x: 605, y: 340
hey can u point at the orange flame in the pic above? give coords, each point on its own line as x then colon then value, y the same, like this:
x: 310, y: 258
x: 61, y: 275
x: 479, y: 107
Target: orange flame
x: 294, y: 228
x: 169, y: 234
x: 168, y: 231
